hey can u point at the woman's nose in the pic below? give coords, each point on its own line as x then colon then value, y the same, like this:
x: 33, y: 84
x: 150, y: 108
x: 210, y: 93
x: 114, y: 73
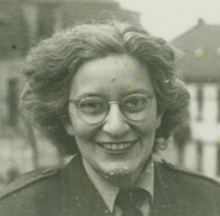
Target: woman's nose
x: 115, y: 123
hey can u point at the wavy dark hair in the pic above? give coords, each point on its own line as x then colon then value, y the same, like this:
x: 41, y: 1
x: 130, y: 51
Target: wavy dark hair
x: 51, y: 65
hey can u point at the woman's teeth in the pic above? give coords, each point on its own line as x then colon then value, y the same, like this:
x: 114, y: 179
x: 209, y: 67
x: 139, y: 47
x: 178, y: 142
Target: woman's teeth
x: 118, y: 146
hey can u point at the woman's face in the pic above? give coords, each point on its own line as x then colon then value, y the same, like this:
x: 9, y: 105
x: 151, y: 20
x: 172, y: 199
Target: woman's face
x: 116, y: 146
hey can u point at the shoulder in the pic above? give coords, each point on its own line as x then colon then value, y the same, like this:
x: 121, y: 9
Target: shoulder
x: 27, y: 180
x: 189, y: 174
x: 188, y: 180
x: 186, y: 191
x: 31, y: 189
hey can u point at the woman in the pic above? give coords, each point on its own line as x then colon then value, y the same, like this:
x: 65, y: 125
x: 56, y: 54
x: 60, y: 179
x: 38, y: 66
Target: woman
x: 109, y: 95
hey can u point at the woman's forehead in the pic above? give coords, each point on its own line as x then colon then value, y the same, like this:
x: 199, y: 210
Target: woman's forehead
x: 120, y: 74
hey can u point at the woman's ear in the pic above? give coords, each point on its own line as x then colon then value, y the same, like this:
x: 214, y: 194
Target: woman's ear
x: 158, y: 120
x: 161, y: 143
x: 67, y: 125
x: 69, y: 128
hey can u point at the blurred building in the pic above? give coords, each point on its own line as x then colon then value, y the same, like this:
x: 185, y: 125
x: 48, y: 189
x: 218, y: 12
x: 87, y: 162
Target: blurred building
x: 24, y: 22
x: 199, y: 65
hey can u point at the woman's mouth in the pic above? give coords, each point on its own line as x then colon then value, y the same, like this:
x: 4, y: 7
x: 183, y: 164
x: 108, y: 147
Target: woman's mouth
x: 117, y: 146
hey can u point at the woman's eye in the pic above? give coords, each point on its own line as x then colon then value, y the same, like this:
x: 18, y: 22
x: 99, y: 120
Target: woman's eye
x: 92, y: 106
x: 135, y: 104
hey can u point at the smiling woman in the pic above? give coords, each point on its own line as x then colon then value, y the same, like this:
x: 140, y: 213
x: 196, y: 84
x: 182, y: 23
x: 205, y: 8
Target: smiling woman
x: 107, y: 94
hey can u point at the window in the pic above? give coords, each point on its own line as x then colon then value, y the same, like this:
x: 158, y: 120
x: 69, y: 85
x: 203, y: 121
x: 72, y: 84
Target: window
x: 218, y: 105
x: 199, y: 155
x: 218, y: 160
x: 200, y: 100
x: 218, y: 51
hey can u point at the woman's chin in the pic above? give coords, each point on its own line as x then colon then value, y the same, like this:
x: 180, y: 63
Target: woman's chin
x: 121, y: 172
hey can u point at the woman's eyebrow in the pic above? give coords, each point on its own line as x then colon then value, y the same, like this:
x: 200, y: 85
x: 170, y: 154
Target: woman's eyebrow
x: 90, y: 94
x: 140, y: 91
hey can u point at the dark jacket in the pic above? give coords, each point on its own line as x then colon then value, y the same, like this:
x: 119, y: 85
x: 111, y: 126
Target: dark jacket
x: 69, y: 192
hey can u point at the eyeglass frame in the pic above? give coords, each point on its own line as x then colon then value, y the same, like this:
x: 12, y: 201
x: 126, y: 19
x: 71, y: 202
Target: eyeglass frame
x: 76, y: 102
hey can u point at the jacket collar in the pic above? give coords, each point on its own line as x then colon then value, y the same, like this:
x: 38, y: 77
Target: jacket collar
x: 79, y: 196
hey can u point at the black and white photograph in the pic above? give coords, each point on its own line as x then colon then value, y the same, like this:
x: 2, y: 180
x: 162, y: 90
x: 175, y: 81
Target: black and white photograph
x: 109, y: 108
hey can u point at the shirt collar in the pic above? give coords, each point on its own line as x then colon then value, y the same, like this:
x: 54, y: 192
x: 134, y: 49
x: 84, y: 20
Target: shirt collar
x: 109, y: 191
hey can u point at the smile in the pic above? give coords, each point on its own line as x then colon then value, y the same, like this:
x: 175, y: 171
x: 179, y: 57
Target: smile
x: 121, y: 146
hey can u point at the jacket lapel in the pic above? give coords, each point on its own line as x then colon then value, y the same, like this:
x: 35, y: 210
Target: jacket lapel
x: 170, y: 198
x: 79, y: 196
x: 162, y: 203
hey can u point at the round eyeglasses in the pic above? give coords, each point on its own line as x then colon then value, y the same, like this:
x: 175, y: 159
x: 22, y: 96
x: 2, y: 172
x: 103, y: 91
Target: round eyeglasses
x: 94, y: 109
